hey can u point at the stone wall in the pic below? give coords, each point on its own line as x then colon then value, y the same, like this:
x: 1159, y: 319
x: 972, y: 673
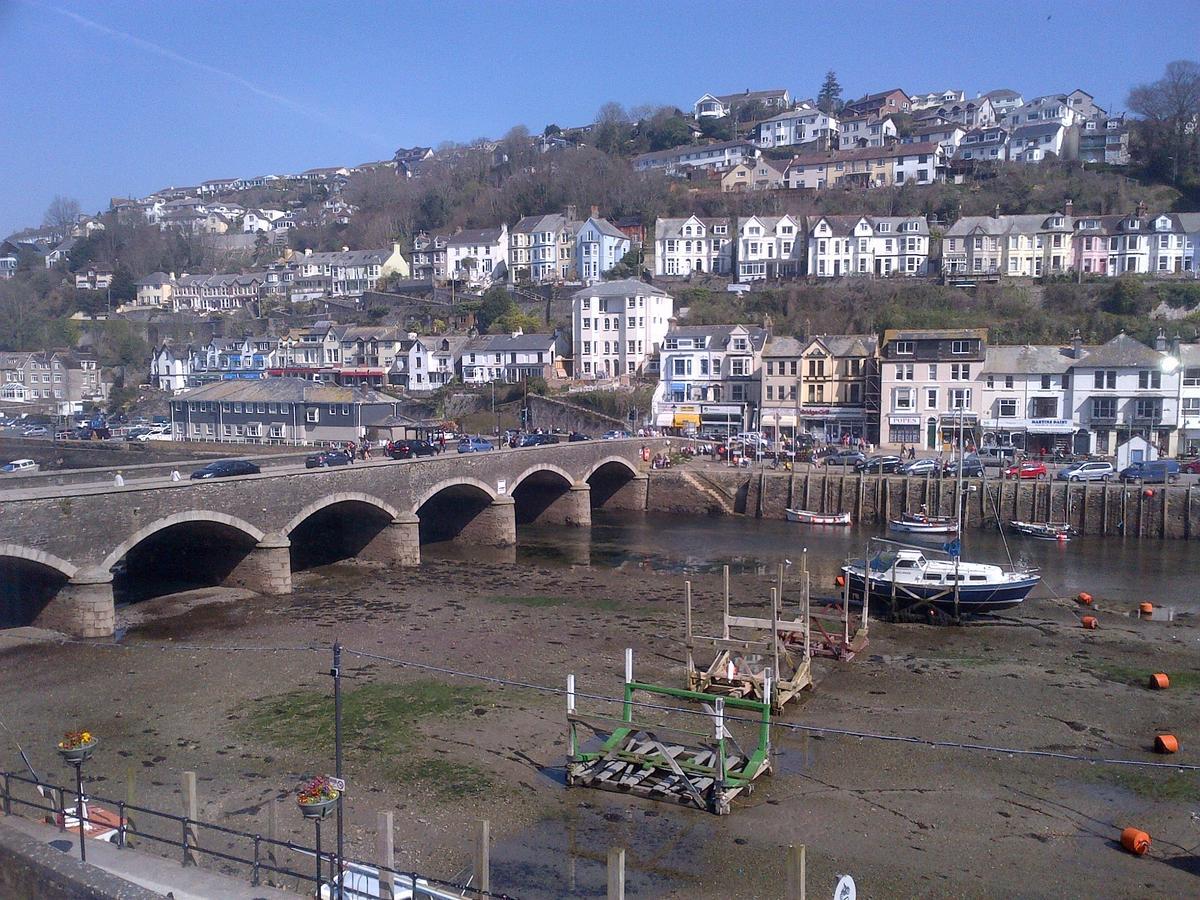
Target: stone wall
x: 32, y: 870
x: 550, y: 413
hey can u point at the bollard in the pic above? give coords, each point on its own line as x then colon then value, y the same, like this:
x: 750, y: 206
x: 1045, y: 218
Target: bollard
x: 616, y: 873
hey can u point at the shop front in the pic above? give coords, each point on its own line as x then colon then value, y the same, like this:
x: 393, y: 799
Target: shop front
x: 778, y: 424
x: 833, y: 424
x: 703, y: 418
x: 952, y: 426
x: 1035, y: 436
x: 904, y: 430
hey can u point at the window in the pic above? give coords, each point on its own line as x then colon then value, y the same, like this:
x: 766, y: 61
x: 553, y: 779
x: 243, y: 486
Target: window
x: 737, y: 393
x: 960, y: 346
x: 1104, y: 379
x: 770, y: 392
x: 1007, y: 409
x: 1191, y: 406
x: 933, y: 371
x: 681, y: 366
x: 1148, y: 409
x: 1191, y: 377
x: 1149, y: 379
x: 960, y: 372
x: 1104, y: 407
x: 903, y: 348
x: 902, y: 399
x: 904, y: 372
x: 960, y: 398
x: 313, y: 414
x: 739, y: 367
x: 931, y: 398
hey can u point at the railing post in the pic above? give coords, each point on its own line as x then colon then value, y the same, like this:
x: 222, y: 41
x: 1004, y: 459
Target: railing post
x: 7, y: 796
x: 184, y: 823
x: 254, y: 872
x: 191, y: 813
x: 121, y: 825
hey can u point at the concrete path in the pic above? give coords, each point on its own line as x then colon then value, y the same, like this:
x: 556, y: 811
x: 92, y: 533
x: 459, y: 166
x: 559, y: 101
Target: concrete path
x: 154, y: 873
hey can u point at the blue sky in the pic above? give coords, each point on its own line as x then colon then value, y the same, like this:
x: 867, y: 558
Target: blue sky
x: 121, y: 98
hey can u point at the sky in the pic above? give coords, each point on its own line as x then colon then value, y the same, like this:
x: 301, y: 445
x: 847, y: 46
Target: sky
x: 104, y: 99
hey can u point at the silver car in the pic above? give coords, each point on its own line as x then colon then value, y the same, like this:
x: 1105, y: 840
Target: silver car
x: 1087, y: 471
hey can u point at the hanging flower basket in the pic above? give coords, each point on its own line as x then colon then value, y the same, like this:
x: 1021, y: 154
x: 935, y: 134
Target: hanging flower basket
x: 77, y: 746
x: 317, y: 798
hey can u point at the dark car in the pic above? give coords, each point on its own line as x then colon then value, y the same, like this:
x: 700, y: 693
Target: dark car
x: 879, y: 465
x: 576, y: 436
x: 409, y: 449
x: 1158, y: 471
x: 326, y: 458
x: 538, y: 440
x: 226, y: 468
x: 972, y: 467
x: 845, y: 458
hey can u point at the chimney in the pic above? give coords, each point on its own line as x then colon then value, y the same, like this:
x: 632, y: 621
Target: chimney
x: 1076, y: 345
x: 396, y: 248
x: 1142, y: 209
x: 517, y: 333
x: 996, y: 214
x: 412, y: 335
x: 570, y: 212
x: 345, y: 249
x: 1160, y: 342
x: 172, y: 274
x: 308, y: 251
x: 595, y: 212
x: 1069, y: 208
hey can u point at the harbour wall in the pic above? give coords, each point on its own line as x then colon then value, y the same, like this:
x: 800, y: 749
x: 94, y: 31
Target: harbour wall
x: 1152, y: 511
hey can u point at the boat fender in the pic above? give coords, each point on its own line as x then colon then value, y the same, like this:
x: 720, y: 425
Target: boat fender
x: 840, y: 581
x: 645, y: 454
x: 1089, y: 622
x: 1148, y: 492
x: 1159, y: 681
x: 1166, y: 743
x: 1146, y: 609
x: 1084, y: 598
x: 1135, y: 841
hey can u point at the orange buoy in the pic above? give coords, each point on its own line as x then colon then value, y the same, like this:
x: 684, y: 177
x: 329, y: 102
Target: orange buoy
x: 1146, y: 609
x: 1148, y: 492
x: 1135, y: 841
x: 1084, y: 598
x: 840, y: 581
x: 1089, y: 622
x: 1159, y: 681
x: 1165, y: 743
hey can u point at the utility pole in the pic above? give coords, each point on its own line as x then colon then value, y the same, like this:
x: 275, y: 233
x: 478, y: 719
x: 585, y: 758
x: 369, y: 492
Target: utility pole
x: 336, y: 672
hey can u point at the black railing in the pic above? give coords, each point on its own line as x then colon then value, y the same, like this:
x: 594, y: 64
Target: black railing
x: 259, y: 857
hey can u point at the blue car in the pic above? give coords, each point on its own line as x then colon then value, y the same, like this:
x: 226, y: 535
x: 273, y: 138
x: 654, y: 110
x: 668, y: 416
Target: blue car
x: 474, y: 445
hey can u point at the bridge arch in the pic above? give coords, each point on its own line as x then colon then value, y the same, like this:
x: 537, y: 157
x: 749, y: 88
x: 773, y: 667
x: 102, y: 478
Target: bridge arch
x: 608, y: 477
x: 29, y: 581
x: 543, y: 493
x: 48, y: 560
x: 181, y: 518
x: 459, y: 481
x: 465, y: 509
x: 345, y: 525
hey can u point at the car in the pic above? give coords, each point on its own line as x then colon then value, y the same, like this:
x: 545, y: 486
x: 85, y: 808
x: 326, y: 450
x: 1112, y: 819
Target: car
x: 972, y: 467
x: 844, y: 458
x: 475, y: 445
x: 926, y: 465
x: 1191, y: 467
x: 226, y: 468
x: 1027, y: 470
x: 19, y: 466
x: 879, y: 464
x: 34, y: 430
x: 407, y: 449
x: 1087, y: 471
x: 325, y: 458
x: 615, y: 435
x: 538, y: 440
x: 135, y: 434
x: 577, y: 436
x: 1159, y: 471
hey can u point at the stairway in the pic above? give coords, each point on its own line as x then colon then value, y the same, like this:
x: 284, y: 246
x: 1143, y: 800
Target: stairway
x: 708, y: 489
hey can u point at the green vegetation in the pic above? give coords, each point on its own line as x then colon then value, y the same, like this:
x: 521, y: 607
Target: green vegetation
x: 599, y: 604
x: 1178, y: 787
x: 1185, y: 680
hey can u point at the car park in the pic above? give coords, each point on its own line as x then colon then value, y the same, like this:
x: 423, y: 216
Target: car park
x: 1158, y: 471
x: 225, y: 468
x: 326, y: 458
x: 844, y: 458
x: 1086, y: 471
x: 924, y: 466
x: 879, y: 464
x: 475, y: 445
x: 1026, y: 471
x: 407, y: 449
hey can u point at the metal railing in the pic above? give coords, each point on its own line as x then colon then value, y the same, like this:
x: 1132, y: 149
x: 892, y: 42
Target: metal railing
x: 259, y: 855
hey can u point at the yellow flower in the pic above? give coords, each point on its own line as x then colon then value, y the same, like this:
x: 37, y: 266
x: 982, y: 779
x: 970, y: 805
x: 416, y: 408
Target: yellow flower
x: 87, y: 737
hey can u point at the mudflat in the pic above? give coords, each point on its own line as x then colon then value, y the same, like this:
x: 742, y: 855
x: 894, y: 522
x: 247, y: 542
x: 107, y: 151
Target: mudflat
x: 905, y: 819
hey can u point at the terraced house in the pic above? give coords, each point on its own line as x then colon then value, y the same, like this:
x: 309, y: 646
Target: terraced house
x: 769, y: 247
x: 345, y: 273
x: 215, y: 293
x: 684, y: 246
x: 1024, y: 245
x: 542, y: 248
x: 867, y: 245
x: 709, y: 378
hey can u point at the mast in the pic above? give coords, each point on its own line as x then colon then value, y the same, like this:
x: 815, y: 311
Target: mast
x: 958, y: 502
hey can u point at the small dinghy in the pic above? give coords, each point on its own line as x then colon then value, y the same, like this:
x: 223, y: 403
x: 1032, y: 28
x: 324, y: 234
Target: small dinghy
x: 1044, y: 531
x: 805, y: 517
x: 919, y: 523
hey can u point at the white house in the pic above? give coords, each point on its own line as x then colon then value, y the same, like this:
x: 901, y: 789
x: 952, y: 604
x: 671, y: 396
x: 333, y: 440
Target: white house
x: 1036, y: 141
x: 542, y: 248
x: 768, y: 247
x: 1189, y: 398
x: 710, y: 378
x: 986, y: 144
x: 718, y: 106
x: 1025, y: 397
x: 618, y: 327
x: 935, y: 98
x: 796, y: 126
x: 684, y: 246
x: 170, y: 371
x: 866, y: 131
x: 344, y: 273
x: 478, y: 256
x: 946, y: 135
x: 509, y: 357
x: 717, y: 155
x: 867, y: 245
x: 598, y: 247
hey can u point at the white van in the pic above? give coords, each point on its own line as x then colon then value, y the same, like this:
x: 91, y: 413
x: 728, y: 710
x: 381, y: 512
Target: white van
x: 19, y: 467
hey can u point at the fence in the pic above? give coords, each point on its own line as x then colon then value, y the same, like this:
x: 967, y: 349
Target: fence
x: 259, y: 854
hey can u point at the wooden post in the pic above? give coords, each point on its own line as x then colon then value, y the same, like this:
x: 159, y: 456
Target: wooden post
x: 628, y: 665
x: 1166, y: 492
x: 774, y: 646
x: 862, y: 486
x: 1187, y: 515
x: 1104, y: 509
x: 725, y: 620
x: 272, y: 835
x: 807, y: 476
x: 385, y: 854
x: 191, y: 809
x: 796, y: 872
x: 572, y: 740
x: 483, y: 855
x: 687, y: 627
x: 616, y: 873
x: 130, y: 800
x: 780, y: 585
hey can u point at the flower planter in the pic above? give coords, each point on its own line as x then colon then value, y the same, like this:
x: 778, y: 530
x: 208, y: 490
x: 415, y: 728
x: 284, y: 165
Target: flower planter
x: 317, y: 809
x: 78, y: 754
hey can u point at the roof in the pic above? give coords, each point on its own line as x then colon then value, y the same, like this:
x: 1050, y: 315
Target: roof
x: 606, y: 227
x: 933, y: 334
x: 783, y: 346
x: 1003, y: 94
x: 474, y: 236
x: 871, y: 98
x: 345, y: 257
x: 719, y: 334
x: 771, y: 94
x: 1027, y: 359
x: 285, y: 390
x: 507, y: 343
x: 1000, y: 225
x: 1035, y: 130
x: 624, y: 287
x: 672, y: 228
x: 534, y: 224
x: 864, y: 153
x: 154, y: 279
x: 1120, y: 351
x: 694, y: 148
x: 843, y: 226
x: 849, y: 344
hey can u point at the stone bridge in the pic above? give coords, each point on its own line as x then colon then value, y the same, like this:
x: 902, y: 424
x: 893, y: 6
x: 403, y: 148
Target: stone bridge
x: 61, y: 545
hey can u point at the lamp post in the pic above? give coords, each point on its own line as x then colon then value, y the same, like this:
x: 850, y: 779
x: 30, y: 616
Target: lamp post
x: 75, y: 750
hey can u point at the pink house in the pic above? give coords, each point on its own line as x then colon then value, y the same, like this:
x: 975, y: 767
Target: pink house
x: 1090, y: 245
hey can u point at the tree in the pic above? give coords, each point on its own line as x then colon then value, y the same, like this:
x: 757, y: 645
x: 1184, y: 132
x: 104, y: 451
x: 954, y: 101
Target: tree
x: 61, y: 215
x: 1169, y: 111
x: 829, y: 98
x: 496, y: 302
x: 123, y: 289
x: 551, y: 130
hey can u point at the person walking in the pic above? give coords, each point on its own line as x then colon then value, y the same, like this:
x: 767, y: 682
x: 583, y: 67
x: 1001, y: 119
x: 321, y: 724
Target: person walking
x: 349, y: 448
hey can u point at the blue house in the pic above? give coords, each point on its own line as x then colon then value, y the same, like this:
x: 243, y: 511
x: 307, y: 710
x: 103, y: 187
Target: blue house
x: 598, y: 247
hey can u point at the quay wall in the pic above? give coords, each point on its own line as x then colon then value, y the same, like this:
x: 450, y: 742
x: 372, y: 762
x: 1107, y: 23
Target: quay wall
x: 1150, y: 511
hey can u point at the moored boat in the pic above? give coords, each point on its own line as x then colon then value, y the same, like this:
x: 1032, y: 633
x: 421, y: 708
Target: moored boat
x: 1044, y: 531
x: 919, y: 523
x: 899, y: 577
x: 805, y: 517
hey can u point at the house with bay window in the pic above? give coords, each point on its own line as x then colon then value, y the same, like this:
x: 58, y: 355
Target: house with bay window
x: 928, y: 387
x: 1188, y: 356
x: 684, y: 246
x: 709, y: 379
x: 542, y: 248
x: 599, y: 246
x: 768, y: 247
x: 618, y: 327
x: 867, y: 245
x: 1025, y: 397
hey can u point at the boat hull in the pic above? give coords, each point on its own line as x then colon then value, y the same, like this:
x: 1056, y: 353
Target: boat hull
x: 810, y: 518
x: 921, y: 527
x: 973, y: 598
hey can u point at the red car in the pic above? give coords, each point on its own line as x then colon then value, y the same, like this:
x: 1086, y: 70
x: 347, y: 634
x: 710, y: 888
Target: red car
x: 1026, y: 470
x: 1192, y: 467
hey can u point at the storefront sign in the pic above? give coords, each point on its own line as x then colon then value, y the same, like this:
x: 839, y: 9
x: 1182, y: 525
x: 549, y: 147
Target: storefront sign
x: 904, y: 420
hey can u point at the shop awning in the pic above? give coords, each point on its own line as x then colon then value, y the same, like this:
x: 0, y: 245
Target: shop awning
x: 684, y: 419
x: 664, y: 420
x: 778, y: 420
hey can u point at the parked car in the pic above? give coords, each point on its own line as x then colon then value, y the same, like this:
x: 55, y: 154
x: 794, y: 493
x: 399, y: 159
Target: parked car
x: 538, y: 440
x: 134, y: 434
x: 615, y: 435
x: 879, y: 465
x: 972, y: 467
x: 474, y: 445
x: 226, y: 468
x: 1159, y: 471
x: 1027, y: 470
x: 577, y: 436
x: 926, y: 465
x: 844, y: 458
x: 409, y: 449
x: 34, y: 430
x: 19, y: 466
x: 326, y: 458
x: 1086, y: 471
x: 1191, y: 467
x: 994, y: 454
